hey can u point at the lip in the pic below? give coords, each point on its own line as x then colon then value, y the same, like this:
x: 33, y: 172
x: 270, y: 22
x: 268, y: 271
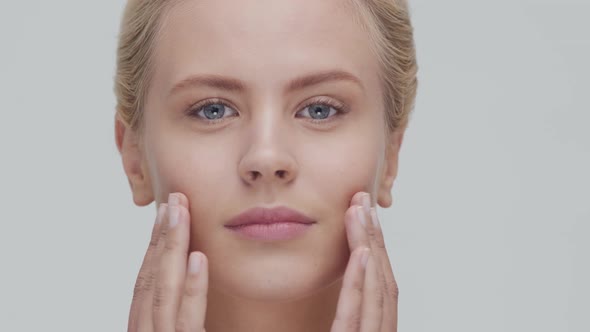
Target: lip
x: 260, y: 215
x: 277, y: 224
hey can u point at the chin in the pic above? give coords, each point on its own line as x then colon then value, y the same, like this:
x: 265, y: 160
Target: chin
x: 276, y: 278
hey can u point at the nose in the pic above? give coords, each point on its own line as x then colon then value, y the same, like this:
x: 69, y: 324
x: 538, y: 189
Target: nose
x: 267, y: 161
x: 267, y: 165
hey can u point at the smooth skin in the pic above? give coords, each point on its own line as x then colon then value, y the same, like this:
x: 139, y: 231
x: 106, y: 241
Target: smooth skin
x: 171, y: 294
x: 272, y: 63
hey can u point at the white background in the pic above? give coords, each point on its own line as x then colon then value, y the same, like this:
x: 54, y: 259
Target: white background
x: 490, y: 225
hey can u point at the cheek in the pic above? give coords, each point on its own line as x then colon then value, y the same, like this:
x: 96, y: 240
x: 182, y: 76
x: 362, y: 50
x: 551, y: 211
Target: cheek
x: 342, y: 168
x: 191, y: 166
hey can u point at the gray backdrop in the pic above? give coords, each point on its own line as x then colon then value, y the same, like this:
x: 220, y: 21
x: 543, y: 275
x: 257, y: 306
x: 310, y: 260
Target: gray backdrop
x: 490, y: 223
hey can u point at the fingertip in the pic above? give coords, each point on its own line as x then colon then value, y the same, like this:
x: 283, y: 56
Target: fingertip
x: 195, y: 261
x: 204, y: 263
x: 357, y: 199
x: 183, y: 200
x: 182, y: 212
x: 184, y: 215
x: 351, y: 212
x: 350, y: 218
x: 360, y: 214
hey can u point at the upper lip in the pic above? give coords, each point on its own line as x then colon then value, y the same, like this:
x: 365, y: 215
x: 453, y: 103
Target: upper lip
x: 260, y: 215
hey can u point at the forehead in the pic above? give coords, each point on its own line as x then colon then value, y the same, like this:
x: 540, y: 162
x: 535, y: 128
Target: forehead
x: 258, y: 41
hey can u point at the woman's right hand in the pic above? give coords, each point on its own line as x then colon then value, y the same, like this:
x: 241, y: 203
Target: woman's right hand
x: 170, y: 294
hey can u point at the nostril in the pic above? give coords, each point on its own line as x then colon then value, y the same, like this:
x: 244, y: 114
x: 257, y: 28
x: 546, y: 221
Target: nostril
x: 254, y: 175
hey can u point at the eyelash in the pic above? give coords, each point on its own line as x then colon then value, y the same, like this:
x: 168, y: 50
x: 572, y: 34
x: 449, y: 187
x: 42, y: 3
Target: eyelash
x: 340, y: 109
x: 194, y: 111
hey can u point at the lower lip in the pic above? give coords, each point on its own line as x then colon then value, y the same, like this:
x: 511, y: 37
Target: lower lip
x: 271, y: 232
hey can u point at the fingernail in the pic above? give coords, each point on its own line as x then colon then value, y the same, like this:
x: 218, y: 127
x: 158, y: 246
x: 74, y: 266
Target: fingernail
x: 173, y: 200
x: 374, y: 218
x: 173, y: 214
x: 161, y: 213
x: 367, y: 202
x: 365, y: 257
x: 194, y: 263
x: 361, y: 215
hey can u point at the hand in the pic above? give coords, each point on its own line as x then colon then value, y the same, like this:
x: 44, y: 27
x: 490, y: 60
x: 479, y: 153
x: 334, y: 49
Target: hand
x: 166, y: 298
x: 369, y: 295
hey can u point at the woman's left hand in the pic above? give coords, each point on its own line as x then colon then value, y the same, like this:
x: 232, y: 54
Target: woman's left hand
x: 369, y: 295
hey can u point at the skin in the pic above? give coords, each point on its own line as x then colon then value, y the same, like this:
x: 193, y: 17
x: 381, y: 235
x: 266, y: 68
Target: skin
x: 264, y: 152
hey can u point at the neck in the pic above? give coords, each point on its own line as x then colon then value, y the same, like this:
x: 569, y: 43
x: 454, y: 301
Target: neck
x: 313, y: 313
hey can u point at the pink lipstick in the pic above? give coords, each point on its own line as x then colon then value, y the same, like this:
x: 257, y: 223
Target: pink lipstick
x: 277, y: 224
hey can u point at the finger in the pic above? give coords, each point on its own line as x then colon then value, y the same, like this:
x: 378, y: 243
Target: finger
x: 390, y: 301
x: 348, y: 309
x: 377, y: 245
x: 374, y: 233
x: 193, y: 307
x: 372, y: 311
x: 357, y: 236
x: 172, y: 267
x: 357, y: 199
x: 385, y: 272
x: 182, y: 199
x: 140, y: 314
x: 355, y: 231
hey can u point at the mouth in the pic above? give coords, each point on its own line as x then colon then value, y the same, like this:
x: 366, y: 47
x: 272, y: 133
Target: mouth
x: 280, y: 223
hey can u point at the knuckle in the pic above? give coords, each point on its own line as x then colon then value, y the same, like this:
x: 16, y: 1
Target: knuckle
x: 153, y: 243
x: 380, y: 300
x: 157, y: 301
x: 164, y: 232
x: 171, y: 243
x: 370, y: 229
x: 356, y: 287
x: 142, y: 285
x: 181, y: 325
x: 157, y: 298
x: 161, y: 294
x: 351, y: 322
x: 380, y: 243
x: 191, y: 289
x: 393, y: 290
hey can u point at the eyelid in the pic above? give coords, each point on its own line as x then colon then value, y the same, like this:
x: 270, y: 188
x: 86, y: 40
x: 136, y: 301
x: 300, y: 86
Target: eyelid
x: 340, y: 108
x: 198, y: 107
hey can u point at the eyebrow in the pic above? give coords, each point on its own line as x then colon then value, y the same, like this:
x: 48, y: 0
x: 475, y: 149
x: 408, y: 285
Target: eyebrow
x: 234, y: 85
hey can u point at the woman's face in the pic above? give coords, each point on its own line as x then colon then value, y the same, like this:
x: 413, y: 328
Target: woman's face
x: 295, y: 100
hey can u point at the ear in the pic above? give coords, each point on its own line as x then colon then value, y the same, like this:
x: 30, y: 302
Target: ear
x: 133, y: 163
x: 384, y: 198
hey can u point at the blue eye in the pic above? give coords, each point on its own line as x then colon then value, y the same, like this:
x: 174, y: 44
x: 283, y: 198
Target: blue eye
x: 213, y: 111
x: 322, y: 110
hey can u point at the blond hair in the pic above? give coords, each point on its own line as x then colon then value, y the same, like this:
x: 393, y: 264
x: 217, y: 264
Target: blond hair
x: 387, y: 23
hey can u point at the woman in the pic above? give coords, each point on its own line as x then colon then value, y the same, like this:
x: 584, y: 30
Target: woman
x: 266, y: 132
